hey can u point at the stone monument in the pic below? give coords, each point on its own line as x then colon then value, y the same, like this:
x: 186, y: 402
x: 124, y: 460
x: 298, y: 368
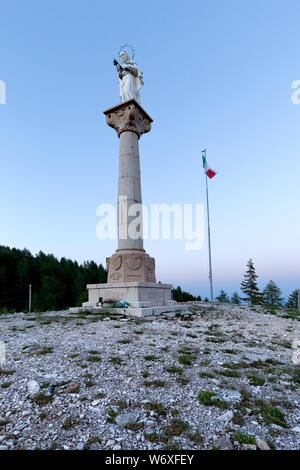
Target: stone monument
x: 131, y: 271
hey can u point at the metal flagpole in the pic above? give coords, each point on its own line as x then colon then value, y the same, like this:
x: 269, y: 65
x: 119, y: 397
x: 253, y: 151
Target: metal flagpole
x: 209, y: 243
x: 29, y: 302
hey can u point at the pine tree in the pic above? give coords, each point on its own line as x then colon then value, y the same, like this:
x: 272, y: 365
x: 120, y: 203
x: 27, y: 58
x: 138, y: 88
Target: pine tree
x: 55, y: 284
x: 222, y: 297
x: 271, y: 294
x: 182, y: 296
x: 249, y: 285
x: 292, y: 301
x: 235, y: 299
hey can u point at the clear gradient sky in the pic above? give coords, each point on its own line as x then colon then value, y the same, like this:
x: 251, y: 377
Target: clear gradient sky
x: 217, y: 74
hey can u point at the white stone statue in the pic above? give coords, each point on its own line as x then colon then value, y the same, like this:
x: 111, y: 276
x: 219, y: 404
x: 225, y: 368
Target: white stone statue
x: 130, y: 78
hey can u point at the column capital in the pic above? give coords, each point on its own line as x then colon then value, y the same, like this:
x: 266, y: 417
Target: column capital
x: 128, y: 116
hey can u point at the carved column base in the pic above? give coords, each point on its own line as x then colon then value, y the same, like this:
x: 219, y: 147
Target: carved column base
x: 130, y: 266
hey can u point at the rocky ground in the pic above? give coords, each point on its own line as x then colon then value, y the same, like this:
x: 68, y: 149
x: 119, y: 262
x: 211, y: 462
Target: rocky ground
x: 222, y: 377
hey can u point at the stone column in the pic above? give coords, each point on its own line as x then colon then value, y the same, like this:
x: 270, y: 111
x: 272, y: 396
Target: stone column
x: 130, y: 263
x: 129, y: 190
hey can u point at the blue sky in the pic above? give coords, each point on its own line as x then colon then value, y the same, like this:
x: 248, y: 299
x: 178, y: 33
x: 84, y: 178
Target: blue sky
x: 217, y: 75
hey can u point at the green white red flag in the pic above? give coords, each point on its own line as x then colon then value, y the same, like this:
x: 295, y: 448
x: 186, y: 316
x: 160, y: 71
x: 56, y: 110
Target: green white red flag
x: 207, y: 169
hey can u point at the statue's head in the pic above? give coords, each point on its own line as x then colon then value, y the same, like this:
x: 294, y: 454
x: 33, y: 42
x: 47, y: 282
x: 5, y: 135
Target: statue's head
x: 125, y: 58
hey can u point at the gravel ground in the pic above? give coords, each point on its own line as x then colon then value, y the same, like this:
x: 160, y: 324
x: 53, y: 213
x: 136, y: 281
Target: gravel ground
x: 221, y: 377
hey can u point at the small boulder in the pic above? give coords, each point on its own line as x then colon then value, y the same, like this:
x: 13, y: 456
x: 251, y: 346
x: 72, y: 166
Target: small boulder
x: 33, y: 387
x: 296, y: 429
x: 33, y: 348
x: 248, y: 447
x: 72, y: 387
x: 229, y: 396
x: 95, y: 446
x: 80, y: 446
x: 224, y: 443
x: 226, y: 416
x: 126, y: 418
x: 261, y: 444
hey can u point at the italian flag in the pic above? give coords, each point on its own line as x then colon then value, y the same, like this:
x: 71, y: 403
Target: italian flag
x: 207, y: 170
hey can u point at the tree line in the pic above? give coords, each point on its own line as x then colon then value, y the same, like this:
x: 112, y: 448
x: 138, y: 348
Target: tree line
x: 271, y: 294
x: 59, y: 284
x: 56, y: 284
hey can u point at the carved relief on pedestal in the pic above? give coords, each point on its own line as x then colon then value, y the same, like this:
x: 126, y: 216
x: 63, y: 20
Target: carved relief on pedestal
x: 130, y: 267
x: 113, y: 265
x: 150, y: 269
x: 116, y: 262
x: 133, y: 262
x: 129, y: 116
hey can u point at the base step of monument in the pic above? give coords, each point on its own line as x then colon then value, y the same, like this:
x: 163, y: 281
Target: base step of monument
x: 169, y: 310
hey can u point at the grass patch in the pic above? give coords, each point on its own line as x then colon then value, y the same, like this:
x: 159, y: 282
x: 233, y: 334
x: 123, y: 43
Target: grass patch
x: 230, y: 351
x: 174, y: 370
x: 94, y: 358
x: 175, y: 428
x: 183, y: 380
x: 185, y: 360
x: 228, y: 373
x: 94, y: 440
x: 152, y: 437
x: 6, y: 384
x: 150, y: 357
x: 244, y: 438
x: 235, y: 365
x: 256, y: 380
x: 215, y: 340
x: 238, y: 419
x: 204, y: 375
x: 205, y: 397
x: 41, y: 399
x: 46, y: 350
x: 116, y: 360
x: 196, y: 438
x: 69, y: 423
x: 296, y: 375
x: 111, y: 415
x: 154, y: 383
x: 89, y: 383
x: 271, y: 414
x: 6, y: 372
x: 158, y: 408
x: 4, y: 422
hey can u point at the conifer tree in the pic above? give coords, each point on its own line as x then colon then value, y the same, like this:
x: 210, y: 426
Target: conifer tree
x: 271, y: 294
x: 249, y: 285
x: 292, y: 301
x: 235, y: 298
x: 222, y: 297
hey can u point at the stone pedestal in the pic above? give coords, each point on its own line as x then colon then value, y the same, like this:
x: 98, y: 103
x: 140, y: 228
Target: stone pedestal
x: 144, y: 298
x: 129, y: 266
x: 137, y: 294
